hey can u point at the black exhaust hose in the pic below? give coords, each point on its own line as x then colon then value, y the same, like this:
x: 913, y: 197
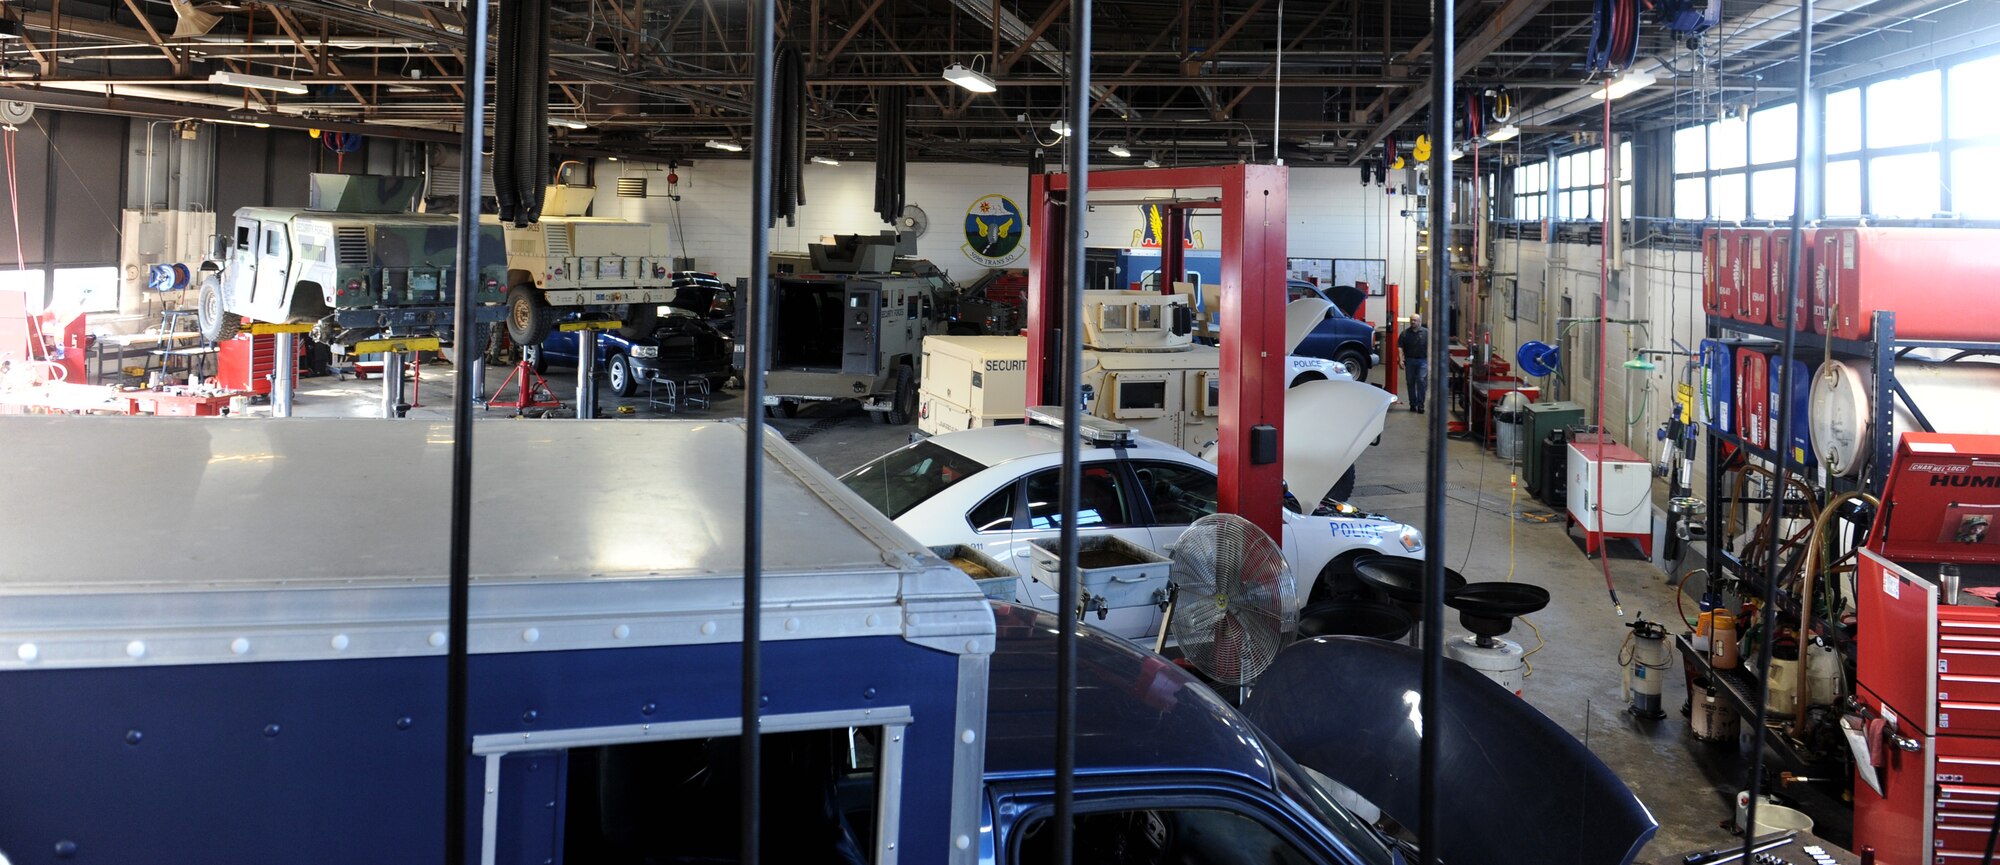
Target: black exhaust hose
x: 535, y: 124
x: 506, y: 73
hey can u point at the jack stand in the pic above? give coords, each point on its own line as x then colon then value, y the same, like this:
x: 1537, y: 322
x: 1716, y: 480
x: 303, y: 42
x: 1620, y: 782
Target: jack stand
x: 393, y: 405
x: 281, y: 375
x: 416, y: 367
x: 534, y: 391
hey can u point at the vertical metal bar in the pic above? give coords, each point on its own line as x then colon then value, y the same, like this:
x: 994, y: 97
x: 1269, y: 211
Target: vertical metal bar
x: 756, y: 332
x: 1882, y: 401
x: 392, y: 385
x: 286, y: 356
x: 1802, y: 195
x: 458, y: 738
x: 586, y: 374
x: 1429, y: 830
x: 1072, y: 402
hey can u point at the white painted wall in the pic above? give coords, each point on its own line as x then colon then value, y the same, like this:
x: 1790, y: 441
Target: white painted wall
x: 1331, y: 215
x: 714, y: 210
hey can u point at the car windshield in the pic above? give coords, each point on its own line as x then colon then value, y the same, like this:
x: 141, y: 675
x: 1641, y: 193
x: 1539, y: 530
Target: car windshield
x: 1309, y: 789
x: 908, y: 477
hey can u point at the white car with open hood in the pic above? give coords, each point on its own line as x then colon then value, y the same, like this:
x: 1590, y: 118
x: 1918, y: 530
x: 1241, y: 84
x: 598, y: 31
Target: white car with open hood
x: 995, y: 490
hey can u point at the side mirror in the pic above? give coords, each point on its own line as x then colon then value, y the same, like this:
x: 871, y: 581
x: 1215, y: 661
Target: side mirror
x: 1183, y: 320
x: 218, y: 246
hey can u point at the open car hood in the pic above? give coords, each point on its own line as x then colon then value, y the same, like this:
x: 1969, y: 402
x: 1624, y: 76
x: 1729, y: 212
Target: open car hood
x: 1328, y: 425
x: 1517, y: 789
x: 1301, y: 317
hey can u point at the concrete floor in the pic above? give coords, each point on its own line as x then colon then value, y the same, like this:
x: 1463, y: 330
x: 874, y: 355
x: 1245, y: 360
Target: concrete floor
x: 1576, y: 676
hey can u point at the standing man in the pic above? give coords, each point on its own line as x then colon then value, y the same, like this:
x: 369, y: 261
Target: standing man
x: 1415, y: 344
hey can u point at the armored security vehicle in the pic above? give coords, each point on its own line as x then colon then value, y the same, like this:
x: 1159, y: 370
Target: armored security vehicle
x: 569, y: 262
x: 354, y: 261
x: 853, y: 332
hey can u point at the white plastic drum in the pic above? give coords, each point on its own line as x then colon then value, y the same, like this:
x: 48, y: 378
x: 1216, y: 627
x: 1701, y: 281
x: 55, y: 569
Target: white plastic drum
x: 1955, y: 397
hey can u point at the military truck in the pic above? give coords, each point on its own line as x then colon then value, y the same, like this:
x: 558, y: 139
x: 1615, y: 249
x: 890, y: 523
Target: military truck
x: 569, y: 262
x: 853, y: 333
x: 354, y: 261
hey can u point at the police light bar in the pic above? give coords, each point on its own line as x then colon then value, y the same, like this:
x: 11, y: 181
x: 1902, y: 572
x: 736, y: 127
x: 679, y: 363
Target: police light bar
x: 1095, y: 430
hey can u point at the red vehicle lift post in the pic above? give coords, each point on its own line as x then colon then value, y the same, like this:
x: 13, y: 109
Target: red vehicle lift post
x: 1252, y: 200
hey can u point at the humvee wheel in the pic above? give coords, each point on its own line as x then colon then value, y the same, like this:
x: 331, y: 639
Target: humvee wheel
x: 529, y: 317
x: 216, y: 323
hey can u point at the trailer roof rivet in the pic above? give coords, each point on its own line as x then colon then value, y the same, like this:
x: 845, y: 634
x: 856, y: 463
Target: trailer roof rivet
x: 968, y: 737
x: 339, y: 642
x: 28, y: 652
x: 437, y: 638
x: 135, y: 649
x: 791, y: 624
x: 872, y: 621
x: 240, y: 646
x: 531, y: 635
x: 964, y: 842
x: 621, y: 632
x: 708, y: 627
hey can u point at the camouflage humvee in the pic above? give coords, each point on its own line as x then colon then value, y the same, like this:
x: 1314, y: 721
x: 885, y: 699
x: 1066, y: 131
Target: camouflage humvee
x: 354, y: 262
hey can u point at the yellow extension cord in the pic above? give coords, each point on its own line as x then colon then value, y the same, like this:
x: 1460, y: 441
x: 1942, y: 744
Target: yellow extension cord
x: 1513, y: 520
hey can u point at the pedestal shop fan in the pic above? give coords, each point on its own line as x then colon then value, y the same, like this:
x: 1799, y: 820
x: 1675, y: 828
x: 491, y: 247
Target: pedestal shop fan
x: 1234, y: 603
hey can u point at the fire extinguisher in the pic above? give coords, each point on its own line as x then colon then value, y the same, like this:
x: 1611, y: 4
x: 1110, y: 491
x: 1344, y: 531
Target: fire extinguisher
x: 1644, y: 658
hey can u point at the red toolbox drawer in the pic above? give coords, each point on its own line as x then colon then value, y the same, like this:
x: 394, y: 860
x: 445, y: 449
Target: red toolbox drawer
x: 1962, y: 819
x: 1753, y: 293
x: 1968, y: 761
x: 1718, y: 272
x: 1930, y: 277
x: 1781, y: 270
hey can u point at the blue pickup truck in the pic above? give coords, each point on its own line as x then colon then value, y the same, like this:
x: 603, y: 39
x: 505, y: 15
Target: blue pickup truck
x: 206, y: 706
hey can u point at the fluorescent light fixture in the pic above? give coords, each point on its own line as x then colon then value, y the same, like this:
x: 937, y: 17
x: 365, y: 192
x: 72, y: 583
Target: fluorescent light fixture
x: 730, y: 146
x: 568, y: 123
x: 1504, y: 133
x: 259, y: 124
x: 1152, y: 163
x: 822, y: 160
x: 255, y: 82
x: 970, y: 79
x: 1624, y: 85
x: 1060, y: 128
x: 611, y: 159
x: 1120, y: 151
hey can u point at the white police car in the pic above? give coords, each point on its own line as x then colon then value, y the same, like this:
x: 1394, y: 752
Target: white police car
x: 996, y: 489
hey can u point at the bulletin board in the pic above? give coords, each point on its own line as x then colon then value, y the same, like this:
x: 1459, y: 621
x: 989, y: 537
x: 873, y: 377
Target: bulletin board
x: 1354, y: 271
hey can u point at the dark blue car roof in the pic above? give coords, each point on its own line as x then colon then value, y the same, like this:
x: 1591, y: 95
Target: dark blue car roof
x: 1136, y: 712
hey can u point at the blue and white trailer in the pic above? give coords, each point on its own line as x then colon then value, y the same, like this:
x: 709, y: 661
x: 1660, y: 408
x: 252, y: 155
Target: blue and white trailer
x: 257, y: 674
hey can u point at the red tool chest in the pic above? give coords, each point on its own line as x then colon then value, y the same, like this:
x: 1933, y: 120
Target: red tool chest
x: 246, y: 362
x: 1753, y: 288
x: 1780, y: 268
x: 1718, y: 272
x: 1753, y: 395
x: 1930, y: 277
x: 1929, y: 668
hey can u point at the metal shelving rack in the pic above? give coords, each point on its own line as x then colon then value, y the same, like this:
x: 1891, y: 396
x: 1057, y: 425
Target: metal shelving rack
x: 1740, y: 687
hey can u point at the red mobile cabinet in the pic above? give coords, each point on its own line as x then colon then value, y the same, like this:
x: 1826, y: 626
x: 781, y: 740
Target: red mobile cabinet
x: 246, y: 362
x: 1931, y: 669
x: 1938, y: 281
x: 1718, y: 272
x: 1780, y: 268
x: 1753, y: 290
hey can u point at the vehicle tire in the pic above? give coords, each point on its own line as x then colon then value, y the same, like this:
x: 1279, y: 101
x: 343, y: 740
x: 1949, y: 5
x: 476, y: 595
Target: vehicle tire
x: 529, y: 316
x: 216, y: 323
x: 904, y: 406
x: 619, y: 370
x: 1355, y: 361
x: 788, y: 408
x: 640, y: 319
x: 1343, y: 489
x: 536, y: 360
